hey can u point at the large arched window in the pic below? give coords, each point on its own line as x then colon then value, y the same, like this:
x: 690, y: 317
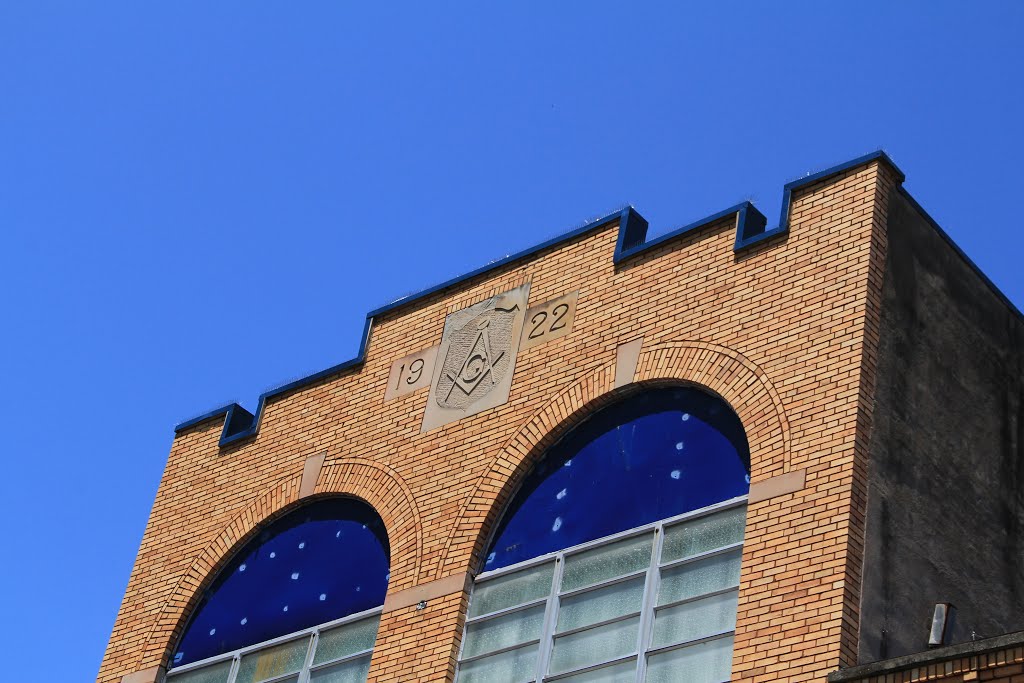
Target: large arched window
x: 618, y: 559
x: 301, y: 601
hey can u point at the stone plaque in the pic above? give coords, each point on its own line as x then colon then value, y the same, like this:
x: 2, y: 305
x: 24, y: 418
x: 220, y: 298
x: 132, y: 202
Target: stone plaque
x: 476, y: 359
x: 549, y: 320
x: 410, y: 373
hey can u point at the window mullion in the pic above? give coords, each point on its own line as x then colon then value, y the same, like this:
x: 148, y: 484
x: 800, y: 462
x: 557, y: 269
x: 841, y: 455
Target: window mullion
x: 499, y: 651
x: 547, y: 634
x: 647, y: 610
x: 648, y: 603
x: 497, y: 614
x: 591, y: 667
x: 308, y: 662
x: 340, y: 660
x: 714, y: 552
x: 605, y: 583
x: 233, y: 671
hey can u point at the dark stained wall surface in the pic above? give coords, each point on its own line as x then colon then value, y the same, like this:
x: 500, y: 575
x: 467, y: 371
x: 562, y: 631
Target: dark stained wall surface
x: 945, y: 518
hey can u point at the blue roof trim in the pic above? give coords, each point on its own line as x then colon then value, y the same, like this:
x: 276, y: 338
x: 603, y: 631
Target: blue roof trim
x: 216, y: 412
x: 625, y: 217
x: 632, y: 233
x: 967, y: 259
x: 748, y: 239
x: 749, y: 220
x: 240, y: 424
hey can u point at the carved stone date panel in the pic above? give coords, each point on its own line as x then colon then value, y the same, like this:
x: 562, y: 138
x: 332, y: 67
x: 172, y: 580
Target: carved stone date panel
x: 411, y: 373
x: 476, y: 359
x: 549, y: 320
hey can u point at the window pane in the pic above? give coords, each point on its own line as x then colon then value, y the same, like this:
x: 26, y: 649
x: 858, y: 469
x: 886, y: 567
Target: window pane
x: 601, y: 604
x: 700, y: 535
x: 352, y: 671
x: 620, y: 673
x: 594, y: 646
x: 504, y: 631
x: 346, y: 640
x: 273, y: 661
x: 607, y: 562
x: 650, y: 457
x: 215, y: 673
x: 703, y: 576
x: 696, y: 619
x: 296, y: 573
x: 514, y: 666
x: 709, y: 662
x: 511, y: 590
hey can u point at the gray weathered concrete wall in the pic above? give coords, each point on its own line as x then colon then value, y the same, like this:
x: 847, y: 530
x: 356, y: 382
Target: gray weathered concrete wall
x: 945, y: 518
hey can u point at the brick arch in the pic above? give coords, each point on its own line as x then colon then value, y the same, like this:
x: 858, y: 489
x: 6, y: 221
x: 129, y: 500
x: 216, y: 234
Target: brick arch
x: 389, y: 494
x: 376, y: 485
x: 723, y: 372
x: 736, y: 380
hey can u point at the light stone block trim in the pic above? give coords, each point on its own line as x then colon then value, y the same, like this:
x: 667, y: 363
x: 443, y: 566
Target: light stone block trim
x: 626, y: 357
x: 456, y: 583
x: 477, y: 358
x: 310, y: 472
x: 411, y: 373
x: 779, y: 485
x: 150, y: 675
x: 549, y: 321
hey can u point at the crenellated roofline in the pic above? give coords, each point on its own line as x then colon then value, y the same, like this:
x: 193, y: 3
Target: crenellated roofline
x: 240, y: 424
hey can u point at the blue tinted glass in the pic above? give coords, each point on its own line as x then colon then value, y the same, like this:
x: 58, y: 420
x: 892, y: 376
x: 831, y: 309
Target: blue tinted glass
x: 321, y: 562
x: 653, y: 456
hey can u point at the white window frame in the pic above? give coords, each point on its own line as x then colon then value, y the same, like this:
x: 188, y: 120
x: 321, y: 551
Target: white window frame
x: 648, y: 602
x: 307, y: 666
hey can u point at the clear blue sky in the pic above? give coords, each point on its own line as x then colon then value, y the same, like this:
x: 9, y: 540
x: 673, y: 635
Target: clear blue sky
x: 200, y: 201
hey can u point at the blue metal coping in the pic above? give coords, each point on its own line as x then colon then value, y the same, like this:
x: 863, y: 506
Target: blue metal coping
x: 749, y: 221
x: 745, y: 240
x: 240, y: 424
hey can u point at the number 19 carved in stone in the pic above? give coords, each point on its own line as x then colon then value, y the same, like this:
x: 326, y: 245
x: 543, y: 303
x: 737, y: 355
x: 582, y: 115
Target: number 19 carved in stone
x: 410, y: 373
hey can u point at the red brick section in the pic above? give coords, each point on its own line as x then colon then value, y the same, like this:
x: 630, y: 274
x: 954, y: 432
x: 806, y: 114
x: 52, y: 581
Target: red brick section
x: 784, y: 331
x: 995, y: 659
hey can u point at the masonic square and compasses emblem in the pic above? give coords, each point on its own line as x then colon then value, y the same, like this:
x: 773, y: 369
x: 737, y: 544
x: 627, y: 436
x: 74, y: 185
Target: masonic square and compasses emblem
x: 476, y: 358
x: 483, y: 365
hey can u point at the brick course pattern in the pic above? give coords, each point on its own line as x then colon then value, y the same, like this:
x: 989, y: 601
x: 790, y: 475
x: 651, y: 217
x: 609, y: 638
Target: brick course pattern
x: 786, y: 331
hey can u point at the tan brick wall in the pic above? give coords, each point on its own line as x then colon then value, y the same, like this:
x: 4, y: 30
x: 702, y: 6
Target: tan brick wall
x: 784, y: 331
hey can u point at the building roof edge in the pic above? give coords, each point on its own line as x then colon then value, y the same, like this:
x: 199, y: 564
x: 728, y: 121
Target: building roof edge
x: 240, y: 424
x: 956, y: 248
x: 919, y: 659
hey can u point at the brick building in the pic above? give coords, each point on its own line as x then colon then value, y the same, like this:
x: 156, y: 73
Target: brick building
x: 730, y: 451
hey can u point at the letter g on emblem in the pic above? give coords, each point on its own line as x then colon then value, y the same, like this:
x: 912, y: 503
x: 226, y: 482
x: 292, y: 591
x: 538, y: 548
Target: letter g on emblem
x: 477, y: 358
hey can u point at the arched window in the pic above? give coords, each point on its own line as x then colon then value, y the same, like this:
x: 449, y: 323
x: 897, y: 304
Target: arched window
x: 618, y: 559
x: 301, y: 600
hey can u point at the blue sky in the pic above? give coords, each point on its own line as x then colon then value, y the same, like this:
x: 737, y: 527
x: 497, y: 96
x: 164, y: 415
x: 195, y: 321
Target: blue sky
x: 200, y: 201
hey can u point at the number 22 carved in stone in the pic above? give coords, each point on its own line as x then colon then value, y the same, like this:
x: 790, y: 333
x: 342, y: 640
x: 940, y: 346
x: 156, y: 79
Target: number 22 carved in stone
x: 549, y: 320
